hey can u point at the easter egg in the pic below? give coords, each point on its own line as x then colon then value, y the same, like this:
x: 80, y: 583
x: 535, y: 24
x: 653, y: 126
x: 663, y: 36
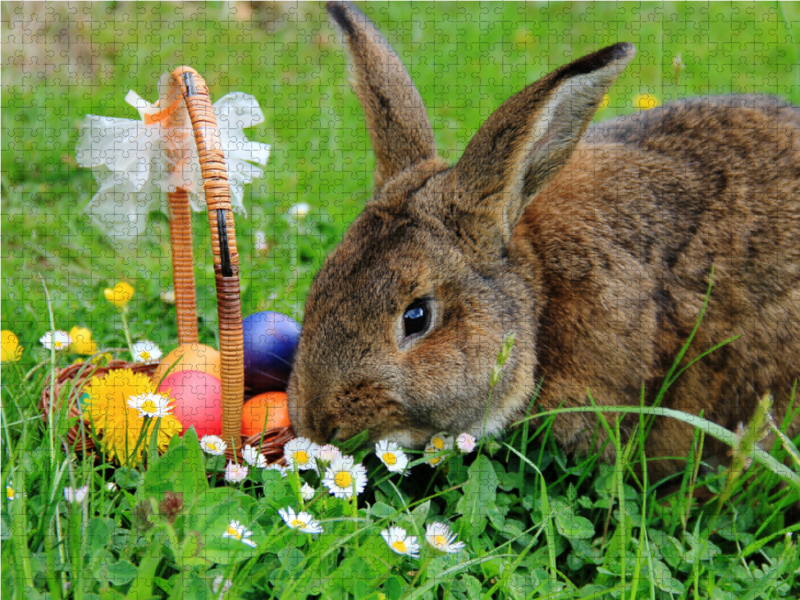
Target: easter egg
x: 193, y: 357
x: 198, y: 400
x: 265, y: 411
x: 270, y: 342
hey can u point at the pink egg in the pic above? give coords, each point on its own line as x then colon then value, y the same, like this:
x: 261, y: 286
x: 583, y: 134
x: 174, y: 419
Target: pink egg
x: 198, y: 400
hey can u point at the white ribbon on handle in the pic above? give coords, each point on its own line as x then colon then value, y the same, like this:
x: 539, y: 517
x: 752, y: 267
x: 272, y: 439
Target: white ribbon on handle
x: 136, y: 162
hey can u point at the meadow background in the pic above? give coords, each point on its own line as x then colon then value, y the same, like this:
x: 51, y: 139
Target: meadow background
x: 62, y: 61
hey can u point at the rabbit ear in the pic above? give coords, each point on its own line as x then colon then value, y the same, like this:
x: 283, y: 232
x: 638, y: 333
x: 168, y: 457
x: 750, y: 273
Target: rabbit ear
x: 398, y: 125
x: 531, y: 137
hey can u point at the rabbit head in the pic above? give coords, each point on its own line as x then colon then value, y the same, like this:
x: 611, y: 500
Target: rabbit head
x: 404, y: 321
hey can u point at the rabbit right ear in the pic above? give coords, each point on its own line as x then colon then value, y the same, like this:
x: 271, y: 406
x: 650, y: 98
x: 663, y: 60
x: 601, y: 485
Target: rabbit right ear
x: 397, y: 123
x: 527, y: 141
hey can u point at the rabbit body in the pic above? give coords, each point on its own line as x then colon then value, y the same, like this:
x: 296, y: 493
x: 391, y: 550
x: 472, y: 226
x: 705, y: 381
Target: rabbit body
x: 594, y: 246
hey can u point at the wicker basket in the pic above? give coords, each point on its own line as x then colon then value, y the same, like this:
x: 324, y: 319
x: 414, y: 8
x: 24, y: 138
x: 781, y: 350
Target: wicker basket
x: 187, y: 85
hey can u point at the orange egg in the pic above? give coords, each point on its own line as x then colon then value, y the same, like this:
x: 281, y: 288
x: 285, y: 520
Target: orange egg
x: 265, y: 411
x: 194, y: 357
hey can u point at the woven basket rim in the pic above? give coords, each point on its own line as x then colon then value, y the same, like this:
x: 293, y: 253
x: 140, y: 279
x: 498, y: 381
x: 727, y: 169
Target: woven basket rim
x: 270, y: 441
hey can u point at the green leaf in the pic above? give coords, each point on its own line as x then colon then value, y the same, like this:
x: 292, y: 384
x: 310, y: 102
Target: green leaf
x: 379, y: 510
x: 194, y: 457
x: 350, y: 446
x: 292, y: 560
x: 702, y: 547
x: 457, y: 472
x: 120, y: 572
x: 574, y: 563
x: 586, y: 552
x: 99, y: 534
x: 128, y: 478
x: 165, y: 584
x: 191, y: 587
x: 574, y: 527
x: 518, y: 587
x: 173, y: 472
x: 663, y: 578
x: 479, y: 496
x: 396, y: 587
x: 420, y: 514
x: 210, y: 516
x: 472, y: 585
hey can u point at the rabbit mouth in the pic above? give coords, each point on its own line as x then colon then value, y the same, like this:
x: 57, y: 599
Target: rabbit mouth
x: 409, y: 438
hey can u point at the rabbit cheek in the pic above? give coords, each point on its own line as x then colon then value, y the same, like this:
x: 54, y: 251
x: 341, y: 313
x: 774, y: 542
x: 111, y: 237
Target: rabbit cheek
x: 308, y: 415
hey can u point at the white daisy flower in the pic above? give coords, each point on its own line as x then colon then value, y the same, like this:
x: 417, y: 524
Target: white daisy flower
x: 465, y: 443
x: 438, y: 443
x: 253, y: 458
x: 213, y: 444
x: 342, y: 475
x: 307, y: 492
x: 146, y: 352
x: 238, y: 532
x: 11, y: 494
x: 440, y: 537
x: 235, y: 473
x: 399, y: 541
x: 111, y: 486
x: 328, y: 452
x: 301, y: 521
x: 167, y: 295
x: 392, y: 456
x: 299, y: 211
x: 151, y: 405
x: 72, y: 495
x: 278, y: 468
x: 300, y: 453
x: 220, y: 583
x: 59, y: 340
x: 261, y: 244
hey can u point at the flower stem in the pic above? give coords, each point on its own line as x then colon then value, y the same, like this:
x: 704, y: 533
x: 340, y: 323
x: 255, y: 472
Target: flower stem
x: 124, y: 312
x: 355, y: 512
x: 50, y: 428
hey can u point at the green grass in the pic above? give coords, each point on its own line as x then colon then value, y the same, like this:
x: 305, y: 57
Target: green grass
x: 546, y: 525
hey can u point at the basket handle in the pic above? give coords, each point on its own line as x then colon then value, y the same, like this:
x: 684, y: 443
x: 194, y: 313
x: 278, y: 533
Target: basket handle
x: 180, y: 236
x: 223, y: 244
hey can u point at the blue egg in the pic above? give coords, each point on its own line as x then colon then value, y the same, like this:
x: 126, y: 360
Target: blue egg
x: 270, y: 342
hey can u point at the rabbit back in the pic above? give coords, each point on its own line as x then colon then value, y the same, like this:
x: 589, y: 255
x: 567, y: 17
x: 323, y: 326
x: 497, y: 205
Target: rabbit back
x: 629, y: 232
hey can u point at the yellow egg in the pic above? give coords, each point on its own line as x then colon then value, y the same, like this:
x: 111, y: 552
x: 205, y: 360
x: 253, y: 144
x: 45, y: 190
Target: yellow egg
x: 193, y: 357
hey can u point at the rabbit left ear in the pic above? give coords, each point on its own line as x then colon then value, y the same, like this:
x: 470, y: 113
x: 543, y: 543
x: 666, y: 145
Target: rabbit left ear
x: 397, y: 123
x: 529, y: 139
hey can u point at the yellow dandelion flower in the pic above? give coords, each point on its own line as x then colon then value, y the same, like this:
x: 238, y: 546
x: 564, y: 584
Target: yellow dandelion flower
x: 102, y: 359
x: 604, y: 103
x: 120, y: 295
x: 82, y: 341
x: 645, y: 101
x: 120, y: 424
x: 10, y: 350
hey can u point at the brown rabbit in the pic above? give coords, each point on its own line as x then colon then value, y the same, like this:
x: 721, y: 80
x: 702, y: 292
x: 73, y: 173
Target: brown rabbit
x: 594, y: 249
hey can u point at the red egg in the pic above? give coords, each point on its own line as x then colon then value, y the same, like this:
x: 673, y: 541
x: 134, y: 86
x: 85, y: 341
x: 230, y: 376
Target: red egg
x: 198, y: 400
x: 265, y: 411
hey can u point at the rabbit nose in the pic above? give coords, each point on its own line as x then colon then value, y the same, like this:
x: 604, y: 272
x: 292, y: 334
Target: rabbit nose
x: 334, y: 434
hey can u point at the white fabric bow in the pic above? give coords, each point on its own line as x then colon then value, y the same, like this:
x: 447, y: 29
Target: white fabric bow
x: 136, y: 162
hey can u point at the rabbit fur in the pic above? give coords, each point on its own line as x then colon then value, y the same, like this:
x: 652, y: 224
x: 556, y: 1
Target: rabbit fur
x: 593, y: 244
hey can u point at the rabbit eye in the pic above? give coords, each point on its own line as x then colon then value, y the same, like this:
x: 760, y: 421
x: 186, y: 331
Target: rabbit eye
x: 416, y: 317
